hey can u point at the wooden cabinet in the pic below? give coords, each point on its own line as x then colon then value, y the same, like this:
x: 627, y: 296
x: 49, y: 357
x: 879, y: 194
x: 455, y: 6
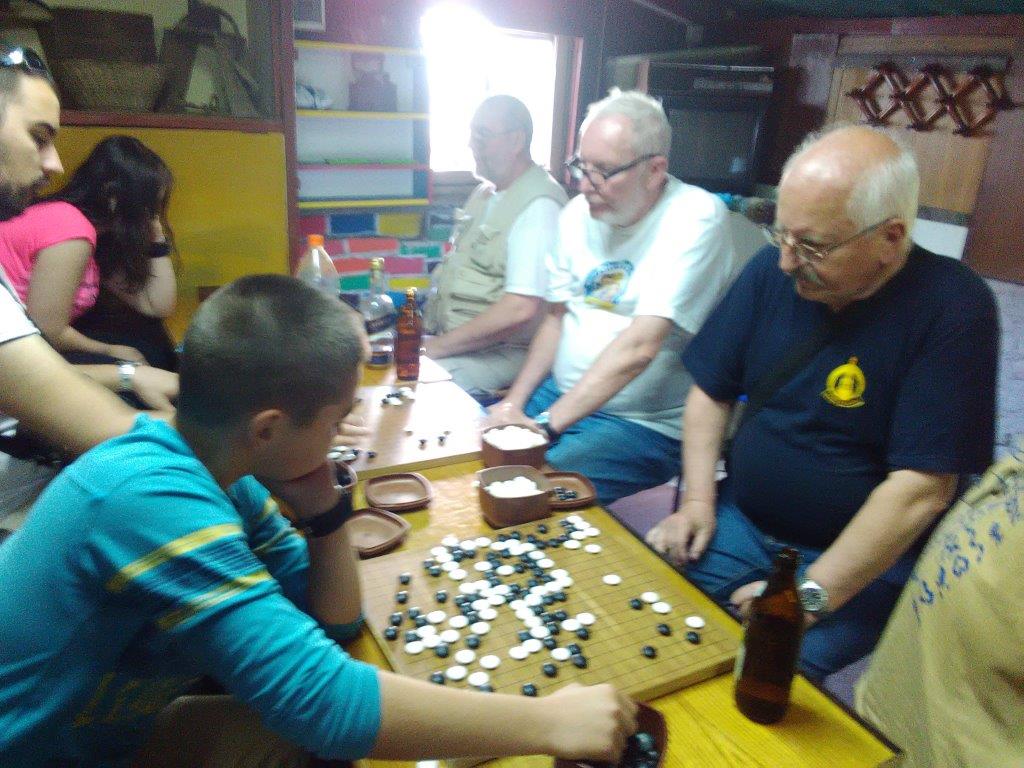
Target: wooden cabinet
x: 361, y: 127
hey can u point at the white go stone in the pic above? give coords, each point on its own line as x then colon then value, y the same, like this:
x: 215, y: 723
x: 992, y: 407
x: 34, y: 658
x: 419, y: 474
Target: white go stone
x: 458, y: 622
x: 438, y: 551
x: 443, y: 558
x: 532, y: 621
x: 436, y: 617
x: 451, y: 540
x: 451, y: 635
x: 426, y: 631
x: 480, y: 628
x: 547, y: 562
x: 612, y: 579
x: 502, y: 589
x: 479, y: 603
x: 506, y: 570
x: 431, y: 641
x: 458, y: 672
x: 482, y: 585
x: 518, y: 652
x: 532, y: 600
x: 593, y: 548
x: 536, y: 555
x: 560, y: 654
x: 572, y: 544
x: 574, y: 519
x: 414, y: 647
x: 593, y: 532
x: 450, y: 566
x: 586, y: 619
x: 468, y: 544
x: 488, y: 614
x: 533, y: 645
x: 483, y: 565
x: 540, y: 632
x: 517, y: 604
x: 559, y: 573
x: 465, y: 656
x: 578, y: 535
x: 458, y: 574
x: 661, y: 607
x: 483, y: 541
x: 523, y: 614
x: 571, y: 625
x: 650, y: 597
x: 468, y: 588
x: 478, y: 678
x: 527, y: 546
x: 695, y: 622
x: 496, y: 600
x: 490, y: 661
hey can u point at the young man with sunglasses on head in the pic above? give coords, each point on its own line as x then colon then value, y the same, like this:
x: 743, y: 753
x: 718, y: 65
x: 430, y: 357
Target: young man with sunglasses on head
x: 880, y: 363
x: 641, y: 259
x: 488, y: 293
x: 51, y: 399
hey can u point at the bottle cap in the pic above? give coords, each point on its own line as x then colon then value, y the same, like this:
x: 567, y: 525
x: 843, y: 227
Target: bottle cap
x: 410, y: 293
x: 315, y: 241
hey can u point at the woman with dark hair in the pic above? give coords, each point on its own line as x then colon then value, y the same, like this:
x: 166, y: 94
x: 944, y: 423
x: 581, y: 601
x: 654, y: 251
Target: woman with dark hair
x: 92, y: 262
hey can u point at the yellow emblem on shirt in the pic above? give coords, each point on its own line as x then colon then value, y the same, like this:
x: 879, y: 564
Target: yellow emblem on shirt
x: 845, y: 385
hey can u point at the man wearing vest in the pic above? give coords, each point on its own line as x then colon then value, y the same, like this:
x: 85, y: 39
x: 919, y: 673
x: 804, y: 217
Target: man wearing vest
x: 486, y: 296
x: 641, y: 259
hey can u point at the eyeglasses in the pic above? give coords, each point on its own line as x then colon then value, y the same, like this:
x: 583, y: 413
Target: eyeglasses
x: 807, y: 252
x: 485, y: 135
x: 578, y: 170
x: 24, y: 59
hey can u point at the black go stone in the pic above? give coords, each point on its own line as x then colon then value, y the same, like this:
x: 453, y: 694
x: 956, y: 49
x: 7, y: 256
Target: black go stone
x: 402, y: 597
x: 529, y: 689
x: 549, y: 600
x: 428, y: 563
x: 410, y: 636
x: 405, y: 578
x: 550, y: 643
x: 472, y: 617
x: 371, y: 454
x: 502, y: 537
x: 538, y: 610
x: 390, y: 633
x: 693, y: 637
x: 532, y: 583
x: 494, y: 581
x: 516, y: 535
x: 550, y: 670
x: 396, y: 619
x: 574, y: 648
x: 434, y: 570
x: 649, y: 651
x: 553, y: 628
x: 636, y: 604
x: 472, y: 641
x: 414, y: 612
x: 423, y: 442
x: 457, y: 556
x: 560, y: 615
x: 579, y: 660
x: 541, y: 545
x: 560, y: 596
x: 437, y: 678
x: 664, y: 629
x: 421, y: 621
x: 554, y: 543
x: 583, y: 633
x: 441, y: 596
x: 441, y: 650
x: 542, y: 528
x: 520, y: 568
x: 486, y: 688
x: 523, y: 635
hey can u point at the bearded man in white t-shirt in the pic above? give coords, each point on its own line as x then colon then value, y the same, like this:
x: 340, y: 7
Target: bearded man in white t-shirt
x: 62, y: 405
x: 487, y: 296
x: 640, y: 260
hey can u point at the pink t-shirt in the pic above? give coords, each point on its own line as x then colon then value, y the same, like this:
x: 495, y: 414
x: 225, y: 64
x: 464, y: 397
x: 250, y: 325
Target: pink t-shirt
x: 39, y: 227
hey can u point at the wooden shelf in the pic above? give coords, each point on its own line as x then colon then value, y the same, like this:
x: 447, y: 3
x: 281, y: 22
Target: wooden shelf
x: 363, y: 166
x: 400, y: 202
x: 353, y: 48
x: 166, y: 120
x: 340, y: 115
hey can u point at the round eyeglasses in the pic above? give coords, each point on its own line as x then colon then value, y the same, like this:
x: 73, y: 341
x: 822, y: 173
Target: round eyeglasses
x: 809, y: 253
x: 579, y: 170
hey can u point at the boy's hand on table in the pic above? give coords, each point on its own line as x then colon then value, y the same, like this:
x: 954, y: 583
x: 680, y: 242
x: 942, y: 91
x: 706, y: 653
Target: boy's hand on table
x: 351, y: 431
x: 590, y: 722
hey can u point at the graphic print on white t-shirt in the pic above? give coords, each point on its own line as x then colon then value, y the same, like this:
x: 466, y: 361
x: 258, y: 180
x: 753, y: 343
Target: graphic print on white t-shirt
x: 607, y: 283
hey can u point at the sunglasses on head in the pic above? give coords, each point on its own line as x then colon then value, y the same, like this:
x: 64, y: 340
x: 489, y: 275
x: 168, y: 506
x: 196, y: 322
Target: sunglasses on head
x: 24, y: 59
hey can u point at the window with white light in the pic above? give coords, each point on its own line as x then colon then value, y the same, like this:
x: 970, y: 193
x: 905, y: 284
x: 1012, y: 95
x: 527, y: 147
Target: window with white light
x: 469, y: 59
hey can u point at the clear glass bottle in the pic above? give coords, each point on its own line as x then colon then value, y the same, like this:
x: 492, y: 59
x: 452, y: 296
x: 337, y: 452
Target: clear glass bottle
x: 410, y: 337
x: 378, y: 311
x: 771, y: 644
x: 316, y: 268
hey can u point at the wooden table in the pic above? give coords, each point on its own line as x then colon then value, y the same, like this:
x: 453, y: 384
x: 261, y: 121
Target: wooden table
x: 705, y: 728
x: 430, y: 373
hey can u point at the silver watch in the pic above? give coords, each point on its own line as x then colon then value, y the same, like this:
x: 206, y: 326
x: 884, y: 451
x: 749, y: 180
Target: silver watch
x: 813, y: 597
x: 126, y: 376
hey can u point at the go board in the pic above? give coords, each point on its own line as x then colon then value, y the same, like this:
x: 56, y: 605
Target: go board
x: 438, y: 410
x: 613, y: 651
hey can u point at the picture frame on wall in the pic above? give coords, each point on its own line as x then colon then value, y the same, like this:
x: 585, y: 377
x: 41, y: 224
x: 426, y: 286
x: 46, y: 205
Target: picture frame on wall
x: 309, y: 15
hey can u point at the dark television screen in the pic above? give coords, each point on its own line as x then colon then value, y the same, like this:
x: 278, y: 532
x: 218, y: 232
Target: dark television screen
x: 715, y: 146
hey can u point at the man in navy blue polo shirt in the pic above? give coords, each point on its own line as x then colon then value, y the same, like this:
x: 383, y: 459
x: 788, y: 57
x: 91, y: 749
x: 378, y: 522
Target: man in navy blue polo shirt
x: 860, y: 450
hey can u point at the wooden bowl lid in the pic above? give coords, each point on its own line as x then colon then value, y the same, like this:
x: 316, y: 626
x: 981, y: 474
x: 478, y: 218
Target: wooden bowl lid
x: 586, y: 495
x: 399, y: 492
x: 376, y: 531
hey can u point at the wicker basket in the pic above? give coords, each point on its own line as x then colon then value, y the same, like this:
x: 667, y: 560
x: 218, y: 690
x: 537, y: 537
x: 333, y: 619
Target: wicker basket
x: 120, y: 86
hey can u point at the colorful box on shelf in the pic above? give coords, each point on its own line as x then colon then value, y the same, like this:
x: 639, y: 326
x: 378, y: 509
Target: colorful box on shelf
x: 348, y: 224
x: 399, y: 224
x: 356, y: 281
x: 348, y: 265
x: 405, y: 266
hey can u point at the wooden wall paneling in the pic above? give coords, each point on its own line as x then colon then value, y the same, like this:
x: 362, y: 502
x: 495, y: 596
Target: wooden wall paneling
x: 951, y: 166
x: 995, y: 242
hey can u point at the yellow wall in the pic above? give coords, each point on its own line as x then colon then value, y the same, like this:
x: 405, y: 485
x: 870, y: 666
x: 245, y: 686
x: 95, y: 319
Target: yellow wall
x: 228, y: 209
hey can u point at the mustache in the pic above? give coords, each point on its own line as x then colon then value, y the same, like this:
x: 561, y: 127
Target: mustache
x: 808, y: 275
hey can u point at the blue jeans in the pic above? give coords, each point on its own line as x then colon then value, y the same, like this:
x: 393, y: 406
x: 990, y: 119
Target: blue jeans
x: 618, y: 456
x: 740, y: 553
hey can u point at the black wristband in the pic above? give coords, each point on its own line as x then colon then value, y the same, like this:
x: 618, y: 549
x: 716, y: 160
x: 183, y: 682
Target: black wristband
x: 159, y: 249
x: 550, y: 432
x: 328, y: 522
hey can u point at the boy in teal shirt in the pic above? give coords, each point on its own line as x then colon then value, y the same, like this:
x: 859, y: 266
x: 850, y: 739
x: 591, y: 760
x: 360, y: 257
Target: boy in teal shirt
x: 159, y: 557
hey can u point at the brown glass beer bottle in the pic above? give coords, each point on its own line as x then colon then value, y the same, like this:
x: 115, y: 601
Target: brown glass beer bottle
x: 409, y: 338
x: 771, y: 644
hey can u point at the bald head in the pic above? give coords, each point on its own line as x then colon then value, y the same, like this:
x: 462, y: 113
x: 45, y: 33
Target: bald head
x: 511, y: 113
x: 869, y: 175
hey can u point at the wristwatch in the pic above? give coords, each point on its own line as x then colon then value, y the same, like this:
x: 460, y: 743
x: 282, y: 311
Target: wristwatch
x: 813, y: 597
x: 328, y: 522
x: 543, y: 420
x: 126, y: 376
